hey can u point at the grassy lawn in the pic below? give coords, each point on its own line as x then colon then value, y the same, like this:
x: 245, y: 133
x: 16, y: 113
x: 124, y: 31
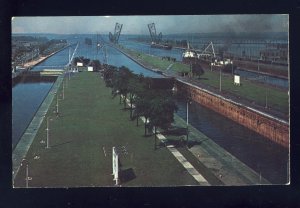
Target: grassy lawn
x: 89, y: 121
x: 157, y: 62
x: 277, y: 99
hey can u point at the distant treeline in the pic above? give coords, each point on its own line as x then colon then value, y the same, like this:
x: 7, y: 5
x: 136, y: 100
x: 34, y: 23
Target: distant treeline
x: 29, y: 38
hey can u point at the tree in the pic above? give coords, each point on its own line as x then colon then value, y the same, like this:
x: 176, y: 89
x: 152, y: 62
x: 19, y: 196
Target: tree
x: 136, y: 88
x: 120, y: 83
x: 162, y: 111
x: 108, y: 75
x: 197, y: 69
x: 96, y: 65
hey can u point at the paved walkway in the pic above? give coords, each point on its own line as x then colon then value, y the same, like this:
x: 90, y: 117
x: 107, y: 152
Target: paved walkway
x: 25, y: 142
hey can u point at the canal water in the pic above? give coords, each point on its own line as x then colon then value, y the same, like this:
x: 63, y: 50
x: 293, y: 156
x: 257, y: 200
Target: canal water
x: 254, y: 150
x: 27, y: 96
x: 275, y: 81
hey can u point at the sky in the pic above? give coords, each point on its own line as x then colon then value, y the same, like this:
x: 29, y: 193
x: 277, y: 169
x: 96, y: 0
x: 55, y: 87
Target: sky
x: 165, y: 24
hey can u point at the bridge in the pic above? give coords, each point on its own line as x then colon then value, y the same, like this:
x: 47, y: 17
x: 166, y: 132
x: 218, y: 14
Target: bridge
x: 45, y: 72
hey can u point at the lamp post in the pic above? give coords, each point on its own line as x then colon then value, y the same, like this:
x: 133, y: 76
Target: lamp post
x: 27, y: 178
x: 47, y: 129
x: 187, y: 120
x: 220, y: 79
x: 63, y: 89
x: 56, y: 103
x: 66, y: 81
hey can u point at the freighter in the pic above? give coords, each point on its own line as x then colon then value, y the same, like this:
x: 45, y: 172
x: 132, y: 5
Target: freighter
x: 189, y: 56
x: 161, y: 46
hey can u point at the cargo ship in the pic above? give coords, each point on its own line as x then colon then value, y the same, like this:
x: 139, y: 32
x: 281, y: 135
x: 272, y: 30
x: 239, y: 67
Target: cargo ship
x: 189, y: 55
x: 161, y: 46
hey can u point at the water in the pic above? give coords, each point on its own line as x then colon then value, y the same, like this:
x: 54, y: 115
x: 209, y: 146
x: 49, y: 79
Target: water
x: 275, y: 81
x: 116, y: 58
x: 256, y: 151
x: 26, y: 99
x: 59, y: 60
x: 146, y: 48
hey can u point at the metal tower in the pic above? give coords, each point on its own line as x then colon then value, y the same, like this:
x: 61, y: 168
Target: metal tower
x: 114, y: 38
x: 154, y: 37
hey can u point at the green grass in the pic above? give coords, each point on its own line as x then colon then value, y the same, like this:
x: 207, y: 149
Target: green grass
x: 157, y: 62
x: 90, y: 120
x: 277, y: 99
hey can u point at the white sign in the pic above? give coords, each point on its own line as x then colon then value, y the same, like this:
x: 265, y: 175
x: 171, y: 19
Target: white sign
x: 79, y: 64
x: 90, y: 68
x: 237, y: 80
x: 115, y: 165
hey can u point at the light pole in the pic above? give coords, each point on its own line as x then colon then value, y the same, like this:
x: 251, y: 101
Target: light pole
x: 27, y: 178
x: 66, y: 81
x: 63, y: 89
x: 220, y: 79
x: 47, y: 129
x: 56, y: 103
x: 187, y: 120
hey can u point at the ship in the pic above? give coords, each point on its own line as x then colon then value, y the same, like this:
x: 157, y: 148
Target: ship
x: 161, y: 46
x: 207, y: 58
x: 189, y: 55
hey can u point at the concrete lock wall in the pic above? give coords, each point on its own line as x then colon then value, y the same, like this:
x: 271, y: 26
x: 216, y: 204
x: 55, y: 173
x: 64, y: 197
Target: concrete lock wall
x: 273, y: 129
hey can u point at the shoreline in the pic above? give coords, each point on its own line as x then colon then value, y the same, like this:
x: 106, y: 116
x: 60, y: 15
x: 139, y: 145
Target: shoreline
x: 29, y: 65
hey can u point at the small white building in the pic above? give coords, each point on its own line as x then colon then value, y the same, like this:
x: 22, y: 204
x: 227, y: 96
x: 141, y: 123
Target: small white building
x: 90, y: 68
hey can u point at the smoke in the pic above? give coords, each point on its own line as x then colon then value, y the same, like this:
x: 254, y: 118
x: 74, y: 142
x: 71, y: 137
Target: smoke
x: 235, y: 24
